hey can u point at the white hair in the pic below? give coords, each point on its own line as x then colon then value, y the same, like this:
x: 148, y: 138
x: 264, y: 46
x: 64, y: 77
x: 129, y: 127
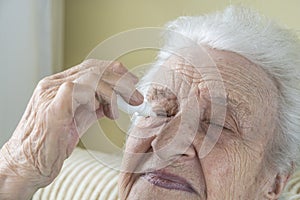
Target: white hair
x: 263, y: 42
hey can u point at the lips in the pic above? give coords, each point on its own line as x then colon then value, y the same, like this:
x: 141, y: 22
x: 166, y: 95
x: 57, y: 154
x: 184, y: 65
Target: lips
x: 168, y: 181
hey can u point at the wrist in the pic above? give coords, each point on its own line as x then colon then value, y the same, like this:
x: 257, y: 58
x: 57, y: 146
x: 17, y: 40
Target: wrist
x: 15, y: 188
x: 13, y: 185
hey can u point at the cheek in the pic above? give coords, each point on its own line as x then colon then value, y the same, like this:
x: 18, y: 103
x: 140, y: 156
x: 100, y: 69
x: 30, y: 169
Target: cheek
x: 219, y: 172
x: 218, y: 165
x: 233, y: 169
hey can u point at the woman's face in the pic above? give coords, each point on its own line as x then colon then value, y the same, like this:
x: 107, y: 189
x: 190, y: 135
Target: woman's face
x: 174, y: 156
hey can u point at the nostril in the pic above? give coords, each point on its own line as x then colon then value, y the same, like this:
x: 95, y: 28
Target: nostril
x: 189, y: 152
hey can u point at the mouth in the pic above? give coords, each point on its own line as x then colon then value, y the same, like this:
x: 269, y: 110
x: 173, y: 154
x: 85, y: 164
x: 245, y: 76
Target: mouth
x: 168, y: 181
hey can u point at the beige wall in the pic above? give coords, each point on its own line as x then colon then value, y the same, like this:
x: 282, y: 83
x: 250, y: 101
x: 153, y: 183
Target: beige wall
x: 88, y: 22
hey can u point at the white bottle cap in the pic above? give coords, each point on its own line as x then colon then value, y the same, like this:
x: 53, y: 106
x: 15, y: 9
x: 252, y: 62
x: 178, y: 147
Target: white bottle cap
x: 145, y: 109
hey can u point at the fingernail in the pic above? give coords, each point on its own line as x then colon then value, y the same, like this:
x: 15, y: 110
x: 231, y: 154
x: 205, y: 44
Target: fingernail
x: 137, y: 98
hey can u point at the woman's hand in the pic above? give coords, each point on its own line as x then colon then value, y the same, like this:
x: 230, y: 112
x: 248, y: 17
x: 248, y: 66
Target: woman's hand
x: 61, y: 109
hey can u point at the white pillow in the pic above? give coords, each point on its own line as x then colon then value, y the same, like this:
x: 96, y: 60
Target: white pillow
x: 83, y: 176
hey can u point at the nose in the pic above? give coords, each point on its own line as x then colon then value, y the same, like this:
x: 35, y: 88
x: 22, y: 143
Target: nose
x: 175, y: 139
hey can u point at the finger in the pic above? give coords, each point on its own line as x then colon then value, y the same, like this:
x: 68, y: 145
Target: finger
x: 83, y: 119
x: 99, y: 112
x: 84, y: 95
x: 124, y: 86
x: 90, y: 79
x: 70, y: 96
x: 105, y: 69
x: 111, y: 110
x: 76, y: 104
x: 107, y: 98
x: 90, y: 63
x: 120, y: 69
x: 62, y: 102
x: 103, y: 93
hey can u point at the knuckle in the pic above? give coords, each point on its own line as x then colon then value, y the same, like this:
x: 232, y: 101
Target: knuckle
x: 65, y: 90
x: 117, y: 64
x: 67, y: 85
x: 43, y: 84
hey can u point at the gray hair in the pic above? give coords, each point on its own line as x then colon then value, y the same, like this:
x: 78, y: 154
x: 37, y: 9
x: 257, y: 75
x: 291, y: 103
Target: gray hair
x: 263, y: 42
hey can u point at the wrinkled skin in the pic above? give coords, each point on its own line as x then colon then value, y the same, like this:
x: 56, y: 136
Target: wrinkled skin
x: 235, y: 168
x: 62, y: 107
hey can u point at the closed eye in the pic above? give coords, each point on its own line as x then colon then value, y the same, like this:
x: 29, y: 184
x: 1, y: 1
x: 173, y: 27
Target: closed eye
x: 163, y: 111
x: 219, y: 126
x: 149, y: 122
x: 224, y: 126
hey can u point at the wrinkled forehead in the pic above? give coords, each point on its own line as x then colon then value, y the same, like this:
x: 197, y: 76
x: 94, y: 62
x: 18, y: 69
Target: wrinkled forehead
x: 222, y: 75
x: 180, y: 77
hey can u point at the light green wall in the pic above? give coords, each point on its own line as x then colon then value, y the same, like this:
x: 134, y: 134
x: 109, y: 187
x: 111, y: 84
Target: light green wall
x: 88, y: 22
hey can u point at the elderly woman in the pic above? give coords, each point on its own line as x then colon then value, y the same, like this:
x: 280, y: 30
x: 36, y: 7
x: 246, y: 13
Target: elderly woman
x: 226, y: 124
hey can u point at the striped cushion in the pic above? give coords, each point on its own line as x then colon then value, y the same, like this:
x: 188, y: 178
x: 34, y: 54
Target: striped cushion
x: 83, y: 176
x: 292, y: 189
